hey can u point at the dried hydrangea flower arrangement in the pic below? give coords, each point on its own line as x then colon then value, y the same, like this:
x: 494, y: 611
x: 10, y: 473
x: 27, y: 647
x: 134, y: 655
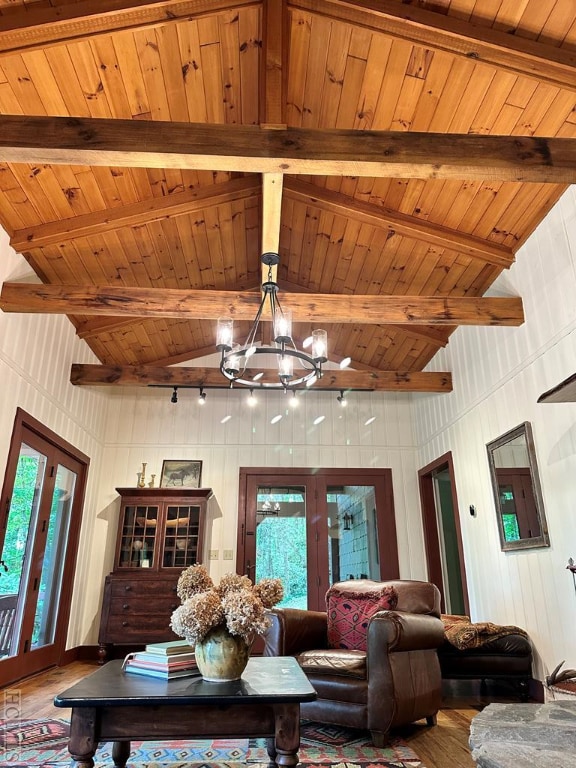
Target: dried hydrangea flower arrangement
x: 236, y: 603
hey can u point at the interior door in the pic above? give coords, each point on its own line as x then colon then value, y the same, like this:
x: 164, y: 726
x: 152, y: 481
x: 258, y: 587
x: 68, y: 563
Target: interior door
x: 43, y: 489
x: 311, y: 528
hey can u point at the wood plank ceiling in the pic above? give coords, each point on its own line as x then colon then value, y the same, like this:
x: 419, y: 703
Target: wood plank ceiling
x: 364, y: 141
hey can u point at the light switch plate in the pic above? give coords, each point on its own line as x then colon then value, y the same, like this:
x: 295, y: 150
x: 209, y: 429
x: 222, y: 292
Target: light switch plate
x: 213, y: 554
x: 228, y: 554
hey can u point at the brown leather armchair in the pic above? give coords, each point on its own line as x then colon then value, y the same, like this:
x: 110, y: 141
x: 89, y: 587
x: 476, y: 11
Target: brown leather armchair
x: 394, y: 682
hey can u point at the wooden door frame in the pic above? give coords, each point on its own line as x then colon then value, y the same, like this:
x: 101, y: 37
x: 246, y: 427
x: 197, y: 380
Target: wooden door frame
x: 430, y: 525
x: 13, y: 667
x: 387, y: 545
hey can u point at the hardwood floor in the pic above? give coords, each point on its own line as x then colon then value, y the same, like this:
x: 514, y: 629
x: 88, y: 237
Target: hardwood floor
x: 443, y: 746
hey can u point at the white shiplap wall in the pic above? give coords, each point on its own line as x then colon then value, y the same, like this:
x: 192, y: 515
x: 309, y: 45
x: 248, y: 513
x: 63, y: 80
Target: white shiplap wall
x: 36, y: 352
x: 144, y: 426
x: 498, y: 375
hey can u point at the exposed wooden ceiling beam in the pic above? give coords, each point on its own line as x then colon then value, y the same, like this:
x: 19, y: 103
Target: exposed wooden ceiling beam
x: 246, y: 148
x: 210, y: 304
x: 436, y: 31
x: 271, y: 215
x: 146, y: 376
x: 33, y: 27
x: 134, y: 214
x: 408, y: 226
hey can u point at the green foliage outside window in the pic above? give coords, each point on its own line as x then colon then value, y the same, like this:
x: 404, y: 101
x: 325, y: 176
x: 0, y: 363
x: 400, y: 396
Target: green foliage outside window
x: 511, y: 529
x: 281, y: 548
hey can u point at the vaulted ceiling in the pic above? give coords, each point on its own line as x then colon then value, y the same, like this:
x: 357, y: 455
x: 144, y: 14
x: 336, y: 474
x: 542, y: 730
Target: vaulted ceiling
x: 395, y: 154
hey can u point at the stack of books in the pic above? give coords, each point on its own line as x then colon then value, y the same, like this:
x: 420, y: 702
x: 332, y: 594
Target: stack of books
x: 164, y: 660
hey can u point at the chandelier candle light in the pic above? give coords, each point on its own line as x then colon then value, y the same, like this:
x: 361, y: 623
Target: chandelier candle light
x: 236, y: 358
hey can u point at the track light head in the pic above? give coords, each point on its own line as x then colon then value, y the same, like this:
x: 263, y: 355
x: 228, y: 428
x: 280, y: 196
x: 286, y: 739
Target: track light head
x: 201, y: 397
x: 174, y: 398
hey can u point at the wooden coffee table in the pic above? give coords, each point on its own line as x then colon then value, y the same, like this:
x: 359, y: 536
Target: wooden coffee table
x: 111, y: 705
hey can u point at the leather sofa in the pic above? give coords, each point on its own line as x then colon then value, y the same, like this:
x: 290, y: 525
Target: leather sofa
x: 507, y: 658
x: 395, y: 681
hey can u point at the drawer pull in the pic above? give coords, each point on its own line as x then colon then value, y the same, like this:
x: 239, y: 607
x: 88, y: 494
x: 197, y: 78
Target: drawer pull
x: 128, y: 587
x: 173, y: 607
x: 125, y: 606
x: 124, y: 623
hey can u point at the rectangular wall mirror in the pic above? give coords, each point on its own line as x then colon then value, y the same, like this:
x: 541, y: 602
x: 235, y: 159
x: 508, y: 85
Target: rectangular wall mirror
x: 517, y: 493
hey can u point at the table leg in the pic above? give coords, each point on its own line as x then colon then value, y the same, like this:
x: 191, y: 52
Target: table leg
x: 82, y: 743
x: 287, y: 734
x: 271, y: 749
x: 120, y: 753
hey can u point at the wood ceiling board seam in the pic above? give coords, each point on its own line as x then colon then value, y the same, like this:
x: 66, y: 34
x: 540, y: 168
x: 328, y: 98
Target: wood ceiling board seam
x: 438, y: 74
x: 135, y: 214
x: 210, y: 62
x: 108, y: 67
x: 212, y: 219
x: 23, y: 85
x: 66, y: 79
x: 360, y: 259
x: 491, y: 104
x: 405, y: 225
x: 333, y: 252
x: 410, y: 94
x: 396, y: 65
x: 351, y: 233
x: 140, y: 375
x: 175, y: 252
x: 112, y: 188
x: 27, y: 177
x: 353, y: 77
x: 52, y: 26
x: 190, y: 56
x: 509, y: 14
x: 230, y: 67
x: 308, y: 245
x: 316, y: 67
x: 555, y: 25
x: 452, y: 35
x: 563, y: 106
x: 251, y: 36
x: 333, y: 77
x: 297, y: 57
x: 132, y: 76
x: 148, y: 52
x: 373, y: 84
x: 318, y: 265
x: 458, y: 85
x: 90, y: 79
x: 172, y: 73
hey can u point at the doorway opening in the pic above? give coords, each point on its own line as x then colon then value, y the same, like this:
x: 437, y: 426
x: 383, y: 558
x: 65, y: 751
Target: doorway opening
x: 442, y: 534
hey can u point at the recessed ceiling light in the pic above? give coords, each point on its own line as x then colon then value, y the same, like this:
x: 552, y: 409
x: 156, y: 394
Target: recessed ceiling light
x: 318, y: 420
x: 225, y: 419
x: 275, y: 419
x: 258, y: 376
x: 307, y: 341
x: 346, y: 362
x: 369, y: 421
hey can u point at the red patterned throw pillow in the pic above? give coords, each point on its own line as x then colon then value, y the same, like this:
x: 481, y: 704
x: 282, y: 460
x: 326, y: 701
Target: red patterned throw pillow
x: 350, y: 608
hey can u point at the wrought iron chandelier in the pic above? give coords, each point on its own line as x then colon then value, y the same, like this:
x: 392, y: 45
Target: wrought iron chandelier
x: 295, y: 367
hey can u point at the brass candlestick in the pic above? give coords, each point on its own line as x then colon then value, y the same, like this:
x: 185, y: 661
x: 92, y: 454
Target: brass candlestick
x: 142, y: 478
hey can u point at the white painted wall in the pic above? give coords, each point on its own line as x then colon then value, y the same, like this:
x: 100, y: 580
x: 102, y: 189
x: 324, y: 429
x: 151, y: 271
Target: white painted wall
x: 144, y: 426
x: 36, y: 352
x: 498, y: 375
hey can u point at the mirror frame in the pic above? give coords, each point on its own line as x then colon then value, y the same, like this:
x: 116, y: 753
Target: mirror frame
x: 543, y: 539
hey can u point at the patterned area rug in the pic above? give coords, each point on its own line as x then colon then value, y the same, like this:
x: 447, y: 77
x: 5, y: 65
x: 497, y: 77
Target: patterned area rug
x: 43, y: 743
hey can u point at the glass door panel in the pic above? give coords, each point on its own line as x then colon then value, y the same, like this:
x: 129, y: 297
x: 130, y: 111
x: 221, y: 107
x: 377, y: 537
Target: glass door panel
x: 51, y: 575
x: 19, y: 539
x: 353, y: 551
x: 281, y: 550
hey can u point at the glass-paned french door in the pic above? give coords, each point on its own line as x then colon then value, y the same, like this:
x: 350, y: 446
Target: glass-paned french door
x: 311, y: 528
x: 42, y: 497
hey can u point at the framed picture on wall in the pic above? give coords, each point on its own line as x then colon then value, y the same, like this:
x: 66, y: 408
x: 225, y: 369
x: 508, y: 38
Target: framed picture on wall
x: 181, y: 473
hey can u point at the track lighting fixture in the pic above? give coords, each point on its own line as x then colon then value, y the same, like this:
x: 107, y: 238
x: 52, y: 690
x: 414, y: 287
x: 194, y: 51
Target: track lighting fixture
x: 342, y: 399
x: 201, y: 397
x: 174, y: 398
x: 252, y: 400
